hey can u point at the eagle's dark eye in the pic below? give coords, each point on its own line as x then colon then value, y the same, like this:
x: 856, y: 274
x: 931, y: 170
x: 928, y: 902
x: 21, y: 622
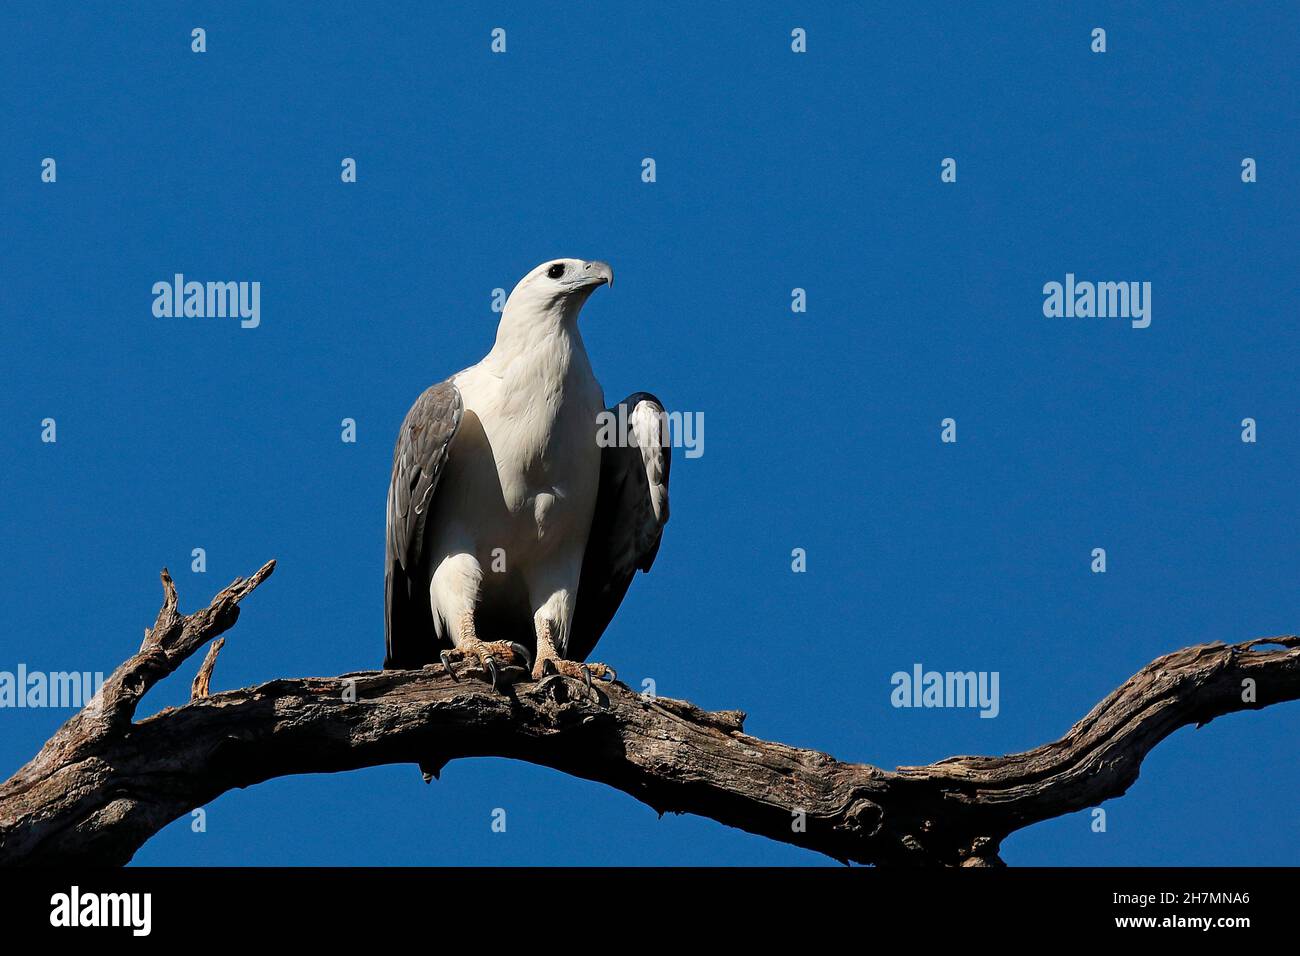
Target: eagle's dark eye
x: 556, y: 270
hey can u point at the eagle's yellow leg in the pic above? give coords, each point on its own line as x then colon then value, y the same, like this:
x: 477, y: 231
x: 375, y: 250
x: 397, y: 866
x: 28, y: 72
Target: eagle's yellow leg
x: 492, y: 656
x: 549, y: 661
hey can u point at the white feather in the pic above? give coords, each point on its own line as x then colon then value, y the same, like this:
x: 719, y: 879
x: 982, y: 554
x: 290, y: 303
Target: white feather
x: 524, y: 468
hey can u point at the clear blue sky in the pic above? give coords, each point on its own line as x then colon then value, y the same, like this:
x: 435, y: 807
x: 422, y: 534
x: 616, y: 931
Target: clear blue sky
x: 775, y: 171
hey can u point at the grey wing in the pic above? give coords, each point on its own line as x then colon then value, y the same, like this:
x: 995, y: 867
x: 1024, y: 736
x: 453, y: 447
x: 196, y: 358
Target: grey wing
x: 631, y: 511
x: 418, y: 464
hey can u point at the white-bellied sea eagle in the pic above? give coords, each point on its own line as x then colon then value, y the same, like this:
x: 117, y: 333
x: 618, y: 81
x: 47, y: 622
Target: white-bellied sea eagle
x: 514, y: 528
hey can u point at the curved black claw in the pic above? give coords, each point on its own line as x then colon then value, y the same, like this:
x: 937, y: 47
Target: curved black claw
x: 445, y: 657
x: 548, y: 668
x: 586, y: 677
x: 523, y: 652
x: 493, y: 672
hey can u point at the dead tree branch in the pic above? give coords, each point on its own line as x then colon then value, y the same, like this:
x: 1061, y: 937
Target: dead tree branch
x: 105, y: 782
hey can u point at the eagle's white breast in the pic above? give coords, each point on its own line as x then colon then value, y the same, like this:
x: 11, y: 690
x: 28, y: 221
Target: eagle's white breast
x: 526, y: 464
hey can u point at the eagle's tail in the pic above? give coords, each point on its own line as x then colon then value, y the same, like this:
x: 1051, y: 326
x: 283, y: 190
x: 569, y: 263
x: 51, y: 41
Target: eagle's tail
x: 408, y: 622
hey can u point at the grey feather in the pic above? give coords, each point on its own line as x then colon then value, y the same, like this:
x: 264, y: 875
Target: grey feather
x: 418, y: 461
x: 625, y: 533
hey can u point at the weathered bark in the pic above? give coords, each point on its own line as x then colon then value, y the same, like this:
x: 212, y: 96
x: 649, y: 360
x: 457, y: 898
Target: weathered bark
x: 105, y: 783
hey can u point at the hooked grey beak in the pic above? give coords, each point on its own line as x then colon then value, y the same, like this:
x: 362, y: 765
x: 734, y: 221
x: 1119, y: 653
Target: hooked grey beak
x: 594, y: 274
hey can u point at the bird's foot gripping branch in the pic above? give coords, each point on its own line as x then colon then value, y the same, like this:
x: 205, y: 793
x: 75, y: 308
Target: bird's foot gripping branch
x: 107, y: 781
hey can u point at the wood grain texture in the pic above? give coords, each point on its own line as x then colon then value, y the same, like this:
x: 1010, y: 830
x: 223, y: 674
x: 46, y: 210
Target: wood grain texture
x: 106, y: 782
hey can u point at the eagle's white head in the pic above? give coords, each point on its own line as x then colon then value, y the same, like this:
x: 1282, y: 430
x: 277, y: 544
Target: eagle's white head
x: 556, y: 289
